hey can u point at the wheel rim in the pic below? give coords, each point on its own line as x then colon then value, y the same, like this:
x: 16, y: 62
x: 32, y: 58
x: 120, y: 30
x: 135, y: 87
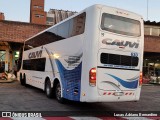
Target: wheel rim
x: 47, y: 89
x: 58, y: 92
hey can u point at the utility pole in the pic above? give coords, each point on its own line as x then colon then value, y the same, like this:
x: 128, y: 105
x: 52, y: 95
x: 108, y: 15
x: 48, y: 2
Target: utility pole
x: 147, y: 9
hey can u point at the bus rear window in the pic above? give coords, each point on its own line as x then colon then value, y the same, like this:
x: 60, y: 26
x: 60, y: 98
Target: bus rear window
x: 120, y: 25
x: 116, y: 59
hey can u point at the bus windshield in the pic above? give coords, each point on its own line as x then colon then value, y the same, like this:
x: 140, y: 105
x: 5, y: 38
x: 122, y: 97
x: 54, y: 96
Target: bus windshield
x: 120, y: 25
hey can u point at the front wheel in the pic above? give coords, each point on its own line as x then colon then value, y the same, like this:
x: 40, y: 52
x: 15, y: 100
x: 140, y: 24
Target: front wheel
x: 58, y: 93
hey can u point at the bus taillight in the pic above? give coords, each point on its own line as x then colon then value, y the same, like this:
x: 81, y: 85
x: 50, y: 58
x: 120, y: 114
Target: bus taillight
x: 140, y: 79
x: 92, y: 77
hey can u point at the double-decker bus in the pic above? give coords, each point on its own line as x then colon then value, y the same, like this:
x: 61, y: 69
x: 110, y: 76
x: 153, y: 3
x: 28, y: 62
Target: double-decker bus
x: 95, y: 55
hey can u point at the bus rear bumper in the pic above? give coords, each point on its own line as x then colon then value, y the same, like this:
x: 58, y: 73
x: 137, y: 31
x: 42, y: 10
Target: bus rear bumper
x: 111, y: 97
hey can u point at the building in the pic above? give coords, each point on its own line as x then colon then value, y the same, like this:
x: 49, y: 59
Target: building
x: 151, y: 49
x: 2, y: 16
x: 12, y: 36
x: 37, y: 13
x: 13, y: 33
x: 54, y: 16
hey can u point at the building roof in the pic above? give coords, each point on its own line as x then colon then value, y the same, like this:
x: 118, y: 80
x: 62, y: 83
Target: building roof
x: 152, y: 23
x: 53, y: 10
x: 14, y: 31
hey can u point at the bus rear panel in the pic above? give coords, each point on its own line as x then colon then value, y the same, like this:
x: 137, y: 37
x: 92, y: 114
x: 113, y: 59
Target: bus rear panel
x: 115, y: 69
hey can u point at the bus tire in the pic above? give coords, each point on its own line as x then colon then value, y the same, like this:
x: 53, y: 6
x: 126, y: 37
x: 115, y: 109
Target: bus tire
x: 58, y: 94
x: 48, y: 89
x: 21, y: 79
x: 24, y: 80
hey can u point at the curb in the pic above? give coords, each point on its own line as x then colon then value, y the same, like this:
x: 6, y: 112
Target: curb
x: 7, y: 81
x: 155, y: 83
x: 150, y: 84
x: 147, y: 84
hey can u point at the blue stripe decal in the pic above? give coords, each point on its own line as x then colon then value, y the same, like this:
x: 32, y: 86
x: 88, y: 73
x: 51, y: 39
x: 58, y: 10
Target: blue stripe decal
x: 129, y: 84
x: 71, y: 81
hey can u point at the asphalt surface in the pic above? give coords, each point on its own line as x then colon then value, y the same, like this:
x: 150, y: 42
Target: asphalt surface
x: 14, y: 97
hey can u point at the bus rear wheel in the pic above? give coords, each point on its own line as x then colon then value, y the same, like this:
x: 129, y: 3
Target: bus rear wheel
x: 48, y: 89
x: 23, y: 79
x: 58, y: 93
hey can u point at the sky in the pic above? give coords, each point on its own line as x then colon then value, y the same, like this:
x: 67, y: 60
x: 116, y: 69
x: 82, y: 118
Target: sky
x: 19, y: 10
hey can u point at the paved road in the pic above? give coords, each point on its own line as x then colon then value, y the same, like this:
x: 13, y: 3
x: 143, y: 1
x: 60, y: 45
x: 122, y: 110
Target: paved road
x: 14, y: 97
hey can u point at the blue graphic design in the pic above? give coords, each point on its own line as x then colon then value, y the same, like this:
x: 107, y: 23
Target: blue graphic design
x: 129, y: 84
x: 71, y: 81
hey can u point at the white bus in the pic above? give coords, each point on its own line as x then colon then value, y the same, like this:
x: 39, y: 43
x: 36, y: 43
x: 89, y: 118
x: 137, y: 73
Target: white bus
x: 93, y: 56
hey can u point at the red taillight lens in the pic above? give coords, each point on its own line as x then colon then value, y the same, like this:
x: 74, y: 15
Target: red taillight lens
x: 140, y: 79
x: 92, y: 77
